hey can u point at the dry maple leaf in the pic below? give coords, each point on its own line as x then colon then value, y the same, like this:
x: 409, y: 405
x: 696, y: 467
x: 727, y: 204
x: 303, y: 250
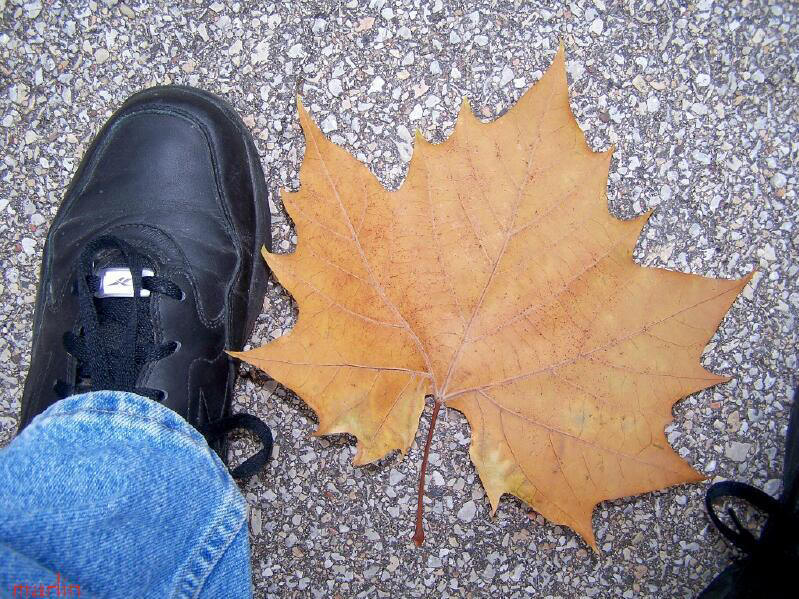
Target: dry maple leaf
x: 496, y: 281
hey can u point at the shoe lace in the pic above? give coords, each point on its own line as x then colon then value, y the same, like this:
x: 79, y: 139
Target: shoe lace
x: 116, y: 340
x: 782, y: 519
x: 777, y: 547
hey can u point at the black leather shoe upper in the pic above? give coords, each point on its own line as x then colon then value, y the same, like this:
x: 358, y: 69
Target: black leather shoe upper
x: 175, y: 175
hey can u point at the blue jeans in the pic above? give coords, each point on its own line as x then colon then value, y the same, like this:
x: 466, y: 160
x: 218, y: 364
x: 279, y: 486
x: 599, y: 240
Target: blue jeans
x: 115, y: 495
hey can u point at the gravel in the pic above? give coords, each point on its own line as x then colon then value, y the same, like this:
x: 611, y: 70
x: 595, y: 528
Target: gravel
x: 700, y: 100
x: 467, y: 512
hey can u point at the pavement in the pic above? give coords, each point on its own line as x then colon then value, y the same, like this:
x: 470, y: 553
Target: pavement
x: 700, y: 99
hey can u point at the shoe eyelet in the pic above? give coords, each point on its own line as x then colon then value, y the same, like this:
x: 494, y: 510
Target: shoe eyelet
x: 162, y: 395
x: 178, y: 345
x: 182, y: 296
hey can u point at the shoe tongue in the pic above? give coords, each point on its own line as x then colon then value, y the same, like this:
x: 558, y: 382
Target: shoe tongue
x: 108, y: 257
x: 115, y: 278
x: 115, y: 301
x: 118, y: 282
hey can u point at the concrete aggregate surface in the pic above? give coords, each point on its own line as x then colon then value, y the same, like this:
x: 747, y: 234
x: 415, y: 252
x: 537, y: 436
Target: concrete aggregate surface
x: 701, y: 100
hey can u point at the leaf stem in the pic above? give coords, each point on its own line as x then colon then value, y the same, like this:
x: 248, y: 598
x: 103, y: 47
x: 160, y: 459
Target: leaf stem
x: 418, y: 536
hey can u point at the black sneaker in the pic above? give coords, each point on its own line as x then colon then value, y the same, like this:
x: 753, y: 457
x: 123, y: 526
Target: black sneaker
x: 151, y: 268
x: 770, y: 562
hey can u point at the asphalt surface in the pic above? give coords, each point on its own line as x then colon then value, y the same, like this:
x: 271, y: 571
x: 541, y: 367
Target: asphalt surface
x: 700, y: 99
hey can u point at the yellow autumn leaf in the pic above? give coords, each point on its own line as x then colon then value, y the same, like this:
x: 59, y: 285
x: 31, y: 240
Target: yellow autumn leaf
x: 496, y: 281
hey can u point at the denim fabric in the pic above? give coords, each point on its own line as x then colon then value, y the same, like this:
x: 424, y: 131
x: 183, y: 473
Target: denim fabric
x: 119, y: 495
